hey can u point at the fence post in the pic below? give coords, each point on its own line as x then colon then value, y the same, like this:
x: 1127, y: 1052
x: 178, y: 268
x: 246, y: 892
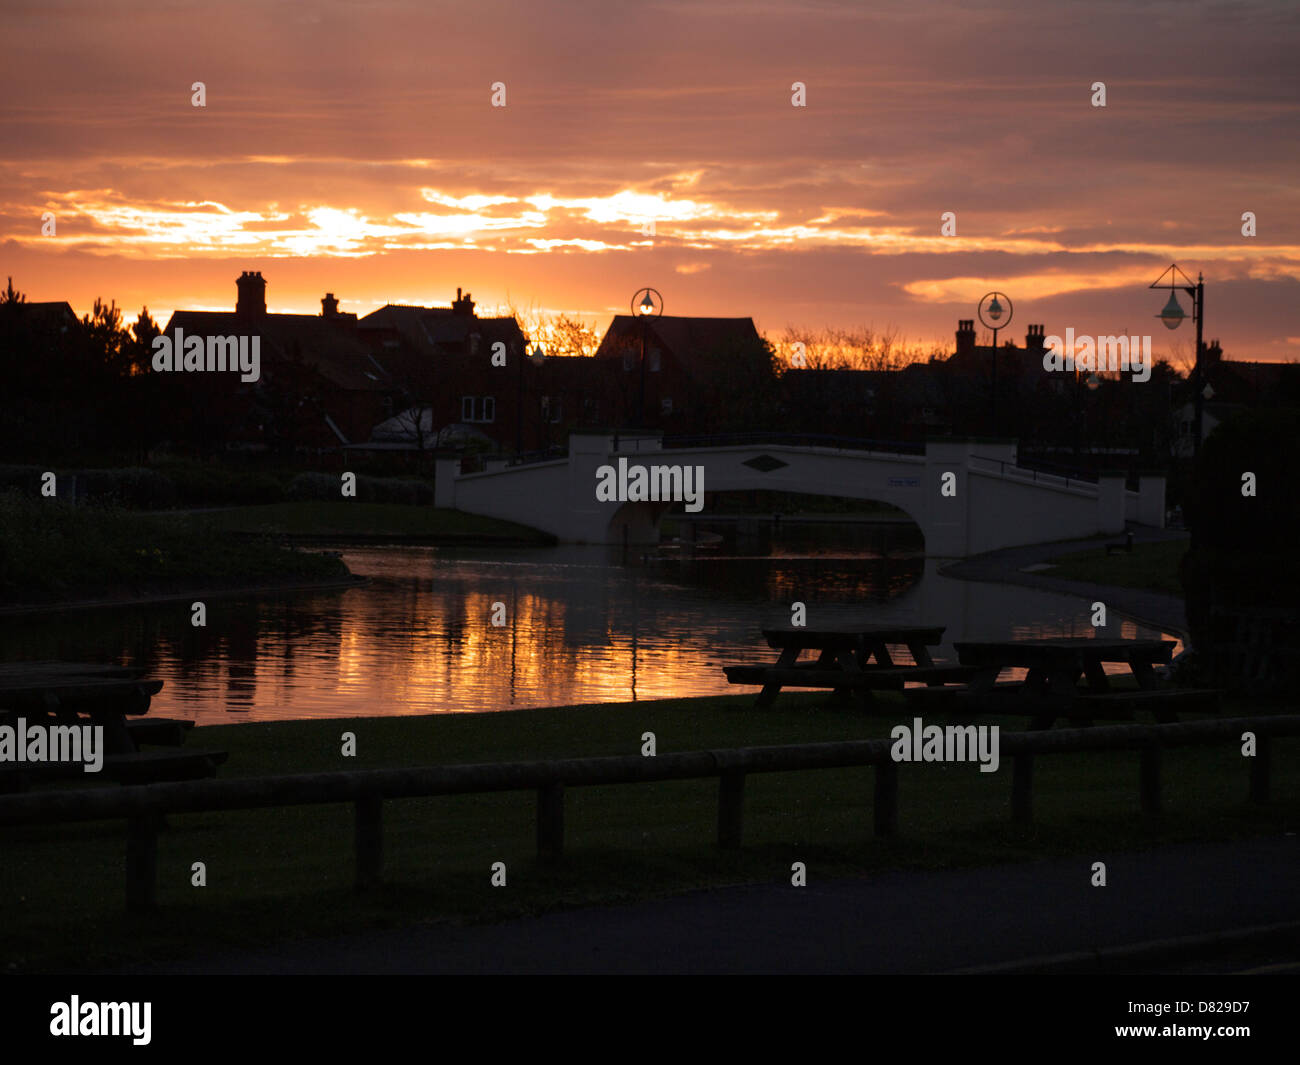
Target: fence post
x: 731, y: 809
x: 1149, y: 778
x: 885, y: 807
x: 1260, y: 769
x: 1022, y: 789
x: 550, y: 822
x: 369, y: 840
x: 142, y: 862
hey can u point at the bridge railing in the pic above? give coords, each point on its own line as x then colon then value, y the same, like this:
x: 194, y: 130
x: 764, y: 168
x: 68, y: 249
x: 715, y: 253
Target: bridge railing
x: 839, y: 443
x: 145, y: 806
x: 1063, y: 478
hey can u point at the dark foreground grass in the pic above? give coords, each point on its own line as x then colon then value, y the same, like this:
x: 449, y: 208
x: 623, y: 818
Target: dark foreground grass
x: 288, y: 872
x: 1152, y: 567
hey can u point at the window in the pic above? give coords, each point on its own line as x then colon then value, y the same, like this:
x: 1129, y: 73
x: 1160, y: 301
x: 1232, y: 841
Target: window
x: 478, y: 409
x: 629, y: 359
x: 551, y: 409
x: 655, y: 357
x: 666, y: 405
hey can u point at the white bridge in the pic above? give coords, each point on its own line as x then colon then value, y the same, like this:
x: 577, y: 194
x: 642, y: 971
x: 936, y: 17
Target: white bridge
x: 967, y: 496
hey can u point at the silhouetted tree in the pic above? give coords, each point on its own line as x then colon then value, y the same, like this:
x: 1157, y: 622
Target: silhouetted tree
x: 11, y: 295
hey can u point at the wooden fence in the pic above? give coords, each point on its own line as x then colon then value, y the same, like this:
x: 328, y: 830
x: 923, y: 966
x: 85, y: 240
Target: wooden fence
x: 144, y: 806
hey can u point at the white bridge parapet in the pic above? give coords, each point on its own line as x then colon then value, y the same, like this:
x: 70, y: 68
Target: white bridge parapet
x: 987, y: 502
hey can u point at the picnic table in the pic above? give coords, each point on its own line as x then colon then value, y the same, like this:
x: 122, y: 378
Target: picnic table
x: 851, y: 661
x: 1054, y: 667
x: 104, y: 695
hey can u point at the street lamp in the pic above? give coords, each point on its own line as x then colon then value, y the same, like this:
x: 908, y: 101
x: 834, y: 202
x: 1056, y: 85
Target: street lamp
x: 1173, y: 316
x: 537, y: 357
x: 995, y: 312
x: 650, y: 305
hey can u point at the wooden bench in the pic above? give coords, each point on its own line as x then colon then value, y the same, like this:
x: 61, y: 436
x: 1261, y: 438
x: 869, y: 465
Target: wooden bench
x: 140, y: 767
x: 147, y: 767
x: 1016, y: 698
x: 811, y: 675
x: 851, y: 661
x: 161, y: 731
x: 101, y: 696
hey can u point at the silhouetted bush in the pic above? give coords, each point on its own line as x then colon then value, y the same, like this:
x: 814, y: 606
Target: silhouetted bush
x: 26, y: 479
x: 328, y: 486
x: 200, y: 484
x: 135, y: 487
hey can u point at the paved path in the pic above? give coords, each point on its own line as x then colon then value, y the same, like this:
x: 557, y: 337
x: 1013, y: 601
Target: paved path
x: 904, y: 922
x: 1161, y: 611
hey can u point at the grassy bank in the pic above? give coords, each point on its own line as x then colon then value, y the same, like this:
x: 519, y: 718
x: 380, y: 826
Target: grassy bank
x: 352, y: 518
x: 288, y: 872
x: 51, y: 552
x: 1152, y: 567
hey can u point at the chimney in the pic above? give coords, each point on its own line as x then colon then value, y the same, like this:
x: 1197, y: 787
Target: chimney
x: 463, y: 305
x: 252, y: 294
x: 1034, y: 338
x: 329, y: 306
x: 965, y: 336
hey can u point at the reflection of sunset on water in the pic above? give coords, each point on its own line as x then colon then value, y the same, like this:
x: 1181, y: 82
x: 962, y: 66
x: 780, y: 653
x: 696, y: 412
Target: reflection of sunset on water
x: 580, y: 627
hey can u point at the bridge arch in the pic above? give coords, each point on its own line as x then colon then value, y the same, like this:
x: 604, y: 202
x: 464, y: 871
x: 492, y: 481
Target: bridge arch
x: 966, y: 496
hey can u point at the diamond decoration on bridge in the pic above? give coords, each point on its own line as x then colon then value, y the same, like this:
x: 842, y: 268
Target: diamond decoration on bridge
x: 764, y: 463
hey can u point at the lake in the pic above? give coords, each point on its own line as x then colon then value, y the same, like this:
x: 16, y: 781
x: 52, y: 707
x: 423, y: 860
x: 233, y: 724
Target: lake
x: 583, y: 624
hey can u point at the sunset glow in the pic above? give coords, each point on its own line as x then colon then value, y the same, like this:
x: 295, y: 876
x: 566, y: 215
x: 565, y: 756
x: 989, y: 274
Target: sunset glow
x: 692, y: 169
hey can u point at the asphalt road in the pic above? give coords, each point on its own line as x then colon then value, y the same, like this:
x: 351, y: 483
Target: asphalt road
x: 905, y: 922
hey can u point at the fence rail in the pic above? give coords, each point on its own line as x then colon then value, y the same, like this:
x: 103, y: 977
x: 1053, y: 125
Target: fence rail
x: 144, y: 806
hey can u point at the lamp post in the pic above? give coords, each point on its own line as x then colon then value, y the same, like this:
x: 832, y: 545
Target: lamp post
x: 1093, y: 382
x: 650, y: 305
x: 995, y: 312
x: 1173, y: 317
x: 538, y: 356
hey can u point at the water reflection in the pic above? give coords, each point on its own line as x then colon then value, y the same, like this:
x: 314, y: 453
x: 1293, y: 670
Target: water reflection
x: 583, y: 625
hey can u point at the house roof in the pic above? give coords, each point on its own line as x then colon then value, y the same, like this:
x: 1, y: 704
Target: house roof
x: 687, y: 339
x: 978, y: 360
x: 439, y: 330
x: 51, y: 313
x: 331, y: 348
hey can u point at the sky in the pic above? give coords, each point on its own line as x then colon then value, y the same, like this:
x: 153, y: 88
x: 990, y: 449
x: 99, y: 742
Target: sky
x: 354, y: 148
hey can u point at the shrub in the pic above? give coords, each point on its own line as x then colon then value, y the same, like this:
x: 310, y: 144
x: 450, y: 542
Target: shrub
x: 314, y: 486
x: 26, y: 479
x: 327, y: 486
x: 134, y: 487
x: 200, y: 484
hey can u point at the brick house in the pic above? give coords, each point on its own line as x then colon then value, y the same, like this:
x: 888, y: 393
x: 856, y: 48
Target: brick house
x: 320, y: 385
